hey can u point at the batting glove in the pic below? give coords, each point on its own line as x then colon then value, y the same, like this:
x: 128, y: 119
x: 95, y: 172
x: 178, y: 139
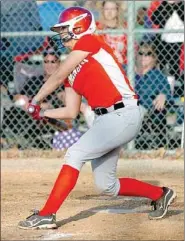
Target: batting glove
x: 35, y: 110
x: 39, y: 115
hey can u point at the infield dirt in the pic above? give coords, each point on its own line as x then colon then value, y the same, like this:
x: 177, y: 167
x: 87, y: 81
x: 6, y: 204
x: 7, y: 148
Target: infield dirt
x: 26, y: 183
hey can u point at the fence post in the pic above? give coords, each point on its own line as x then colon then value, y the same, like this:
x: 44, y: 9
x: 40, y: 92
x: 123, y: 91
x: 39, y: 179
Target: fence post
x: 130, y: 49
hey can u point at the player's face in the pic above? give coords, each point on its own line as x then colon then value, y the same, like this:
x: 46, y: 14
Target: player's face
x: 70, y: 44
x: 66, y: 39
x: 51, y: 64
x: 146, y: 57
x: 110, y: 10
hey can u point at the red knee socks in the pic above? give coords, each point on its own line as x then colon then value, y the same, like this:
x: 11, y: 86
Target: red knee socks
x: 67, y: 179
x: 64, y: 184
x: 133, y: 187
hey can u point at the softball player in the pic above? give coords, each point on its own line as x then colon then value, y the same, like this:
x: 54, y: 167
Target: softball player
x: 91, y: 70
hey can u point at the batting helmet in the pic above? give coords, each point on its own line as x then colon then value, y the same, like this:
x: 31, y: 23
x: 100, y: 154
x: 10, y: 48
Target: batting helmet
x: 79, y: 21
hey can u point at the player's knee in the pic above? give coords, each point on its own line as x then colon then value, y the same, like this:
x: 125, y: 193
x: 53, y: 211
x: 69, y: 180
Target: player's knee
x: 107, y: 189
x: 73, y: 159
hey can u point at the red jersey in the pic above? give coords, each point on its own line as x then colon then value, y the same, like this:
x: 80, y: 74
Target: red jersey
x: 99, y: 77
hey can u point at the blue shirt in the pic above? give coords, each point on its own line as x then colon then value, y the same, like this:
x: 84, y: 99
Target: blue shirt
x: 151, y: 84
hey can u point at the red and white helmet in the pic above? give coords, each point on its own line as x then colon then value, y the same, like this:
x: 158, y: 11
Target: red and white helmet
x: 79, y: 21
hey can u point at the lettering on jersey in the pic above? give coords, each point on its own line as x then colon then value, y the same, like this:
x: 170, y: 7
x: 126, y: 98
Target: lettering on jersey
x: 77, y: 70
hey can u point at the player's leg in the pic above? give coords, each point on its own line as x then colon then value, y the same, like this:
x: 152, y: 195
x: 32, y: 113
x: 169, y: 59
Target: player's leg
x: 104, y: 171
x: 90, y: 146
x: 105, y: 135
x: 46, y: 217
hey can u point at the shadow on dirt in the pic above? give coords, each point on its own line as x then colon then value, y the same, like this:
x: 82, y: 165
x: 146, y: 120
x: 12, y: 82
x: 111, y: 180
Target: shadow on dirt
x: 92, y: 211
x: 129, y: 206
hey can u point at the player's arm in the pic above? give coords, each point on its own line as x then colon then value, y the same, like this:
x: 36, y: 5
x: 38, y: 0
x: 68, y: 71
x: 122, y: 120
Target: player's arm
x: 72, y: 108
x: 66, y: 67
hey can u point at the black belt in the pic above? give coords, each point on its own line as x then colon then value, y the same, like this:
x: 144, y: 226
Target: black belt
x: 102, y: 111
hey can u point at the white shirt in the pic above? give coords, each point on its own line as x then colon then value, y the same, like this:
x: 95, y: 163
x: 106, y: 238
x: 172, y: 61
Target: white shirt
x: 174, y: 22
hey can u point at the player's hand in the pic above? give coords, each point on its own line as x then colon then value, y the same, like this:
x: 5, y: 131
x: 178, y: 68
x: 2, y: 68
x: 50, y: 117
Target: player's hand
x: 35, y: 111
x: 159, y: 102
x: 39, y: 116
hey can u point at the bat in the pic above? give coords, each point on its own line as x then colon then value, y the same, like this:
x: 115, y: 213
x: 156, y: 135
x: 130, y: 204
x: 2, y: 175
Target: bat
x: 60, y: 125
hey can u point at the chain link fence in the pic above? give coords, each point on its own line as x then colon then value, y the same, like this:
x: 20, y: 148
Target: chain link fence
x: 149, y: 44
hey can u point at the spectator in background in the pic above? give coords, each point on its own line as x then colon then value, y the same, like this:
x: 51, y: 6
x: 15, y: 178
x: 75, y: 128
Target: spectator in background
x: 179, y: 87
x: 111, y: 18
x: 154, y: 92
x: 91, y: 6
x: 17, y: 16
x: 17, y: 119
x: 179, y: 90
x: 143, y: 21
x: 6, y: 102
x: 169, y: 15
x: 140, y: 22
x: 51, y: 62
x: 152, y: 8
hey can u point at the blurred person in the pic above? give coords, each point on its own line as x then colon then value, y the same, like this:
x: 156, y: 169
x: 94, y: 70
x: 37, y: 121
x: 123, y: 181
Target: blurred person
x: 91, y: 70
x: 90, y: 5
x: 17, y: 118
x: 179, y: 84
x: 179, y: 90
x: 17, y: 16
x: 149, y: 37
x: 51, y: 62
x: 140, y: 22
x: 15, y: 130
x: 169, y: 15
x: 6, y: 102
x: 143, y: 22
x: 154, y: 93
x: 111, y: 18
x: 152, y: 8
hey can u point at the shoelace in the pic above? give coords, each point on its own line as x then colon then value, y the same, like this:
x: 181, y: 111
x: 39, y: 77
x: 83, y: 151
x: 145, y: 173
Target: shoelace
x: 156, y: 205
x: 34, y: 212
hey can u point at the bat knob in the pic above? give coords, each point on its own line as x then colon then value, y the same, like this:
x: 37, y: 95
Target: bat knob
x: 31, y: 109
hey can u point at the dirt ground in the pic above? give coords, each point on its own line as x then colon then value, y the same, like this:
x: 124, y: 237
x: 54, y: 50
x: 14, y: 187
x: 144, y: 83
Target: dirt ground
x: 26, y: 183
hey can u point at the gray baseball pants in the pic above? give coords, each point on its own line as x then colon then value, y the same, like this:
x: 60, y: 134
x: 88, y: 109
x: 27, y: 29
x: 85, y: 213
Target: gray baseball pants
x: 102, y: 143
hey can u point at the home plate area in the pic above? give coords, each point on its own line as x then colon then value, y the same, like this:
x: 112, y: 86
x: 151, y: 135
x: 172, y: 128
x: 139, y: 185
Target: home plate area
x: 53, y: 235
x: 122, y: 208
